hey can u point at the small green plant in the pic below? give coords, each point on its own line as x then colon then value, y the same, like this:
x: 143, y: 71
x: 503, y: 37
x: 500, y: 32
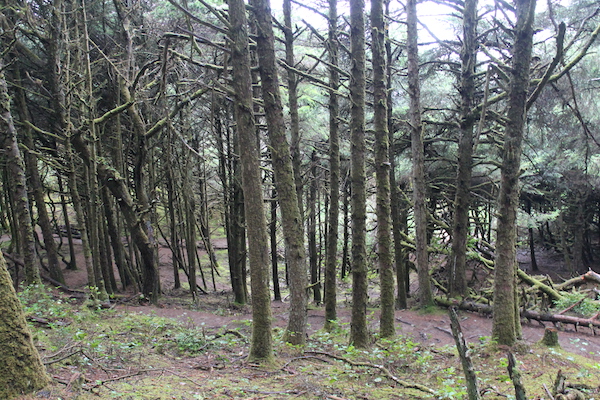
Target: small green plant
x: 582, y: 304
x: 39, y: 301
x: 191, y: 341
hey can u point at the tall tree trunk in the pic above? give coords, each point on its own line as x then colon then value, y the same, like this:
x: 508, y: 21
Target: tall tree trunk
x: 382, y: 170
x: 462, y: 200
x: 21, y: 369
x: 331, y: 251
x: 359, y: 334
x: 292, y: 81
x: 261, y: 348
x: 418, y: 158
x: 284, y: 173
x: 16, y: 169
x: 506, y: 323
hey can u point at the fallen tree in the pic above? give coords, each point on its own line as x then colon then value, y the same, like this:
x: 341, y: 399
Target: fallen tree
x: 557, y: 318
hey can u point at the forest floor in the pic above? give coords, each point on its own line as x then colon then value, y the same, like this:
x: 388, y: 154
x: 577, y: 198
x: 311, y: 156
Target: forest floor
x: 183, y: 350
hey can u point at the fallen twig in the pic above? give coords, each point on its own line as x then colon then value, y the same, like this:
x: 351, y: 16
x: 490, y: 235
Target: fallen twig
x: 381, y: 368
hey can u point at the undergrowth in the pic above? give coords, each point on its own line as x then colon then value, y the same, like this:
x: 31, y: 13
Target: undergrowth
x: 116, y: 354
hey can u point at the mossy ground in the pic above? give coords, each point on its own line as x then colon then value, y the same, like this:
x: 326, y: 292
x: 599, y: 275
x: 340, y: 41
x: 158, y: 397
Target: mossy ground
x: 119, y: 354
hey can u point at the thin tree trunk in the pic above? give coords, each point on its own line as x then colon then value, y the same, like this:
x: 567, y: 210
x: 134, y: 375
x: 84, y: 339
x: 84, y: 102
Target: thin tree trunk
x: 382, y: 170
x: 418, y: 168
x: 274, y: 253
x: 284, y: 174
x: 315, y: 282
x: 506, y: 322
x: 331, y: 252
x: 261, y: 348
x: 292, y: 81
x: 359, y: 334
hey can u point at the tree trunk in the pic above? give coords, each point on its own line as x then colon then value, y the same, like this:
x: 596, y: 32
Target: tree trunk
x: 261, y: 348
x: 418, y: 168
x: 382, y: 170
x: 313, y: 255
x: 16, y: 169
x: 506, y: 323
x: 331, y: 259
x: 359, y: 334
x: 274, y: 252
x: 284, y: 173
x: 462, y: 200
x: 21, y: 369
x: 292, y: 81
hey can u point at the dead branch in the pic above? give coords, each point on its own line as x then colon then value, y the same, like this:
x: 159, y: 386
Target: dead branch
x: 381, y: 368
x: 465, y: 358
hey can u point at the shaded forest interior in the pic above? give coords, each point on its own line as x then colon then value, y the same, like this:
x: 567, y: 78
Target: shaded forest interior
x: 315, y: 144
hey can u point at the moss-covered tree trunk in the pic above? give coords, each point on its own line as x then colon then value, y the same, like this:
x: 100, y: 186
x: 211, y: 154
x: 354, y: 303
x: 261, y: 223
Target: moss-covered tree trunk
x: 284, y: 174
x: 506, y: 323
x: 261, y: 348
x: 292, y: 81
x: 359, y: 334
x: 16, y: 170
x: 331, y: 252
x: 418, y: 158
x: 21, y: 370
x: 460, y: 227
x: 382, y: 170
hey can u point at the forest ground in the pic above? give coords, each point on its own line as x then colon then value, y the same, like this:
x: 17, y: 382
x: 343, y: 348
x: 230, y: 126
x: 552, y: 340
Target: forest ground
x: 181, y: 350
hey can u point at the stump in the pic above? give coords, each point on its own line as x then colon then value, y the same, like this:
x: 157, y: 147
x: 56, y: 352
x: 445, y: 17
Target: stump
x: 550, y: 338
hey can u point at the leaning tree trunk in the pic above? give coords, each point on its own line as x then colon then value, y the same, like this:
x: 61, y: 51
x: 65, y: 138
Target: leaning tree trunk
x: 382, y: 170
x: 506, y: 323
x: 460, y: 226
x: 284, y: 173
x: 418, y: 169
x: 331, y: 255
x: 16, y: 169
x: 21, y: 369
x: 359, y: 334
x: 261, y: 348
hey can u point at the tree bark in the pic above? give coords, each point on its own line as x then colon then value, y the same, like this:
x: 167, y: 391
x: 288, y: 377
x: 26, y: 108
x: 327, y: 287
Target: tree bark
x: 331, y: 259
x: 462, y: 200
x: 284, y: 173
x: 16, y: 169
x: 21, y: 369
x: 418, y: 158
x: 382, y: 170
x: 261, y: 348
x: 506, y: 323
x: 359, y: 334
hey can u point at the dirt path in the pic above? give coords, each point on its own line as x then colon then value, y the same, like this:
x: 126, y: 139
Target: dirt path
x: 428, y: 329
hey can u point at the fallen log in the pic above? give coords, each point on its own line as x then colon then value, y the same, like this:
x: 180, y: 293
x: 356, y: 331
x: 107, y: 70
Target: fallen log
x: 552, y: 293
x: 529, y: 314
x: 589, y: 276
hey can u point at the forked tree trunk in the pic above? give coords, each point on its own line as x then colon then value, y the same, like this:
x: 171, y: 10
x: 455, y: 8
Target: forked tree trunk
x: 506, y: 323
x: 21, y: 369
x: 284, y: 173
x: 331, y: 256
x: 418, y: 158
x: 382, y: 170
x: 359, y: 334
x: 261, y: 348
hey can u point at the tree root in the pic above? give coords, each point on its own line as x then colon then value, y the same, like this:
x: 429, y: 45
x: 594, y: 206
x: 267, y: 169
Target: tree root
x: 381, y: 368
